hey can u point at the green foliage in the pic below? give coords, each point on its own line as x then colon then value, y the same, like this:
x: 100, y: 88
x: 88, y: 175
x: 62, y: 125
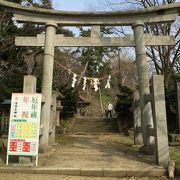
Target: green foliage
x: 85, y: 33
x: 66, y: 32
x: 106, y: 98
x: 41, y: 3
x: 69, y: 102
x: 13, y: 67
x: 124, y: 101
x: 175, y: 155
x: 95, y: 56
x: 10, y: 85
x: 16, y: 1
x: 46, y: 4
x: 170, y: 92
x: 170, y: 97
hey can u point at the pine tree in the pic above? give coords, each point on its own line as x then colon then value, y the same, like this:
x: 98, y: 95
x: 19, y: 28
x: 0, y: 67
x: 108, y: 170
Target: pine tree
x: 69, y: 102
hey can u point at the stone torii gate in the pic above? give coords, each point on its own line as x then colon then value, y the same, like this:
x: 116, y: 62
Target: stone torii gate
x: 135, y: 18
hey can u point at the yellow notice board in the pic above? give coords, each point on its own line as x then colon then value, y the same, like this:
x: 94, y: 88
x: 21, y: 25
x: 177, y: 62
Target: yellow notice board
x: 24, y: 124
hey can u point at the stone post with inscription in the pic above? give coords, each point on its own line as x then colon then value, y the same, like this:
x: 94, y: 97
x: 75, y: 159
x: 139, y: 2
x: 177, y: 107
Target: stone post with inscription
x: 29, y: 86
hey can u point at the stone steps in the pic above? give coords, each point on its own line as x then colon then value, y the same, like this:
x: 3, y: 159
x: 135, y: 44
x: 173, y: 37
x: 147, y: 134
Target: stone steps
x: 94, y: 125
x: 95, y: 106
x: 93, y: 172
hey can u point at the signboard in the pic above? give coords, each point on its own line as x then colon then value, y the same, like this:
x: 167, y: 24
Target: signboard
x: 24, y: 124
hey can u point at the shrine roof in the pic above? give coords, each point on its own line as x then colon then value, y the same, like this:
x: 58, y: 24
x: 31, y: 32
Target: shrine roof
x: 82, y: 101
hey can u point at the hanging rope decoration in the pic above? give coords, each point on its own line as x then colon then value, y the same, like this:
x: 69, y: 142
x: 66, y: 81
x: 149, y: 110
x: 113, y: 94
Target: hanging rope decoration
x: 84, y: 83
x: 93, y: 81
x: 96, y: 82
x: 74, y: 80
x: 108, y: 82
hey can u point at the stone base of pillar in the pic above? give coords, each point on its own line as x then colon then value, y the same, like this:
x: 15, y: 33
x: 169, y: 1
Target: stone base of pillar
x: 138, y: 141
x: 25, y: 161
x: 136, y: 145
x: 23, y: 165
x: 60, y: 130
x: 45, y: 149
x: 147, y: 150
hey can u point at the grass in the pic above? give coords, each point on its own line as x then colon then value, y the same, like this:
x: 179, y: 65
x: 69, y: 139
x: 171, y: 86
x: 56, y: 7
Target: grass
x: 63, y: 140
x: 2, y: 164
x: 126, y: 145
x: 65, y: 123
x: 175, y: 155
x: 123, y: 144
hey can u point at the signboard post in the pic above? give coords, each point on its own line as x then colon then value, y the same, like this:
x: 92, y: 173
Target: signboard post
x: 23, y: 139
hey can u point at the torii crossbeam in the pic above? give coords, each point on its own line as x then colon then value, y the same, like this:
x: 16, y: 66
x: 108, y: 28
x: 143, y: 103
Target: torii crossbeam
x: 60, y: 41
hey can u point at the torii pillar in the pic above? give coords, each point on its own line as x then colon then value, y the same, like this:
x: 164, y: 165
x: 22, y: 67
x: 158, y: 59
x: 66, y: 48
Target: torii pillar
x: 143, y: 81
x: 47, y: 82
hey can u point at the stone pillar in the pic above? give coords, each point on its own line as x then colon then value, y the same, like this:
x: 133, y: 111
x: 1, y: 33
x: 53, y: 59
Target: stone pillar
x: 29, y: 85
x: 160, y: 122
x: 137, y: 119
x: 143, y: 80
x: 178, y: 106
x: 47, y: 82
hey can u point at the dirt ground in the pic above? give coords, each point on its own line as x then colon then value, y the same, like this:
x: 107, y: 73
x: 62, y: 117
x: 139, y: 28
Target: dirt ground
x: 96, y: 151
x: 89, y: 151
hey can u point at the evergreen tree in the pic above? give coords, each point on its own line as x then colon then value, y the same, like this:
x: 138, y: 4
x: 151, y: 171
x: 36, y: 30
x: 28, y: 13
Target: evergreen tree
x: 123, y: 106
x: 124, y: 101
x: 69, y: 102
x: 93, y: 59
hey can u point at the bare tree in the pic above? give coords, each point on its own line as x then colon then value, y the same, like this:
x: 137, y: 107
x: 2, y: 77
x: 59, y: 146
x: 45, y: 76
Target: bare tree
x: 164, y: 60
x: 125, y: 67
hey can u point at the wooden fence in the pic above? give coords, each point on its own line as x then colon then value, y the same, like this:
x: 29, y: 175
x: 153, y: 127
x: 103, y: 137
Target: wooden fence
x: 4, y: 124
